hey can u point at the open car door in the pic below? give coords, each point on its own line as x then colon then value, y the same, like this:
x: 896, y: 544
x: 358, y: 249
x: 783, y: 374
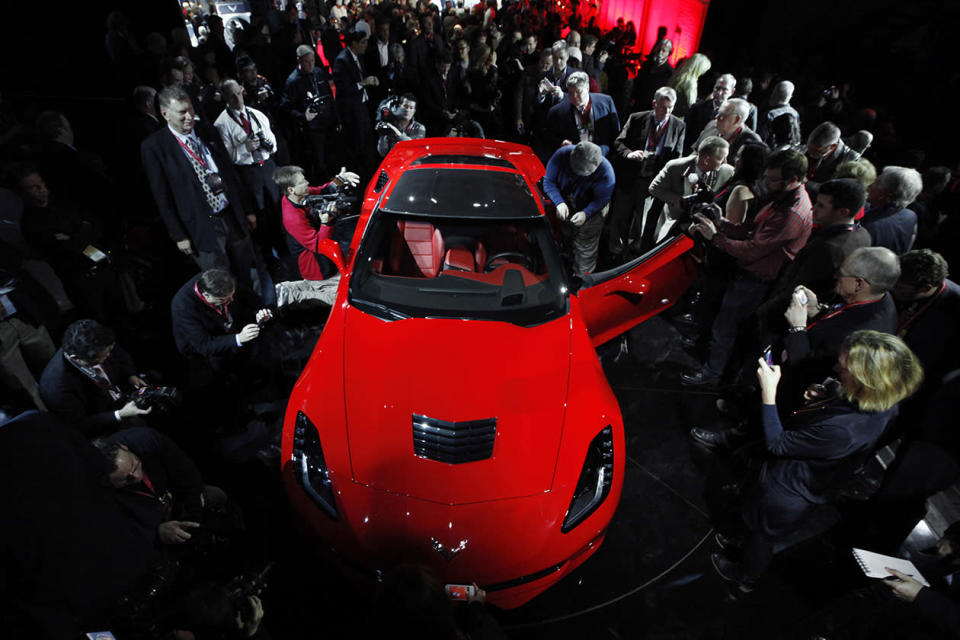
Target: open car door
x: 617, y: 300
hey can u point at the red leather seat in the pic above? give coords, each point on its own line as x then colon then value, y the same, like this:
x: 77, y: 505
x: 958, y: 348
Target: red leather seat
x: 423, y: 242
x: 459, y: 259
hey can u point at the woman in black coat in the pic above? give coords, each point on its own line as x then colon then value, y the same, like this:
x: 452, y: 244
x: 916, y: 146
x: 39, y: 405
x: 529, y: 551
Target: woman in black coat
x: 827, y: 440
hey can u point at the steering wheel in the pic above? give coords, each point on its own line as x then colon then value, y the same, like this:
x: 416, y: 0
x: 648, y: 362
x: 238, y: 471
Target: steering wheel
x: 524, y: 259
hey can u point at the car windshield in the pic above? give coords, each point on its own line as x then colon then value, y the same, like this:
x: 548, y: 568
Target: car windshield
x: 445, y: 267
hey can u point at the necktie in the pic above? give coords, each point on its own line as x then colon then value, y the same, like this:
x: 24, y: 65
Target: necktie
x: 244, y: 123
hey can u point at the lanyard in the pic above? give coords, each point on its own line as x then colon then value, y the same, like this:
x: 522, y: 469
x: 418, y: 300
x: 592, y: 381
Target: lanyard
x: 907, y: 320
x: 656, y: 134
x: 187, y: 148
x: 839, y: 311
x: 220, y: 310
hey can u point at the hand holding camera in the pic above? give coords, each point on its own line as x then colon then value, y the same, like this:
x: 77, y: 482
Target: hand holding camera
x: 248, y: 334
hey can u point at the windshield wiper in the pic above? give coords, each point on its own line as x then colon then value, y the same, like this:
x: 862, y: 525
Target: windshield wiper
x: 392, y: 314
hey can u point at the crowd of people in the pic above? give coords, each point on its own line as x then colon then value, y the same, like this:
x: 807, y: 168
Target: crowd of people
x: 830, y: 252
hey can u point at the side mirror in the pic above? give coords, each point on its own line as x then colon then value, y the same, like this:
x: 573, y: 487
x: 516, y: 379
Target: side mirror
x: 331, y: 250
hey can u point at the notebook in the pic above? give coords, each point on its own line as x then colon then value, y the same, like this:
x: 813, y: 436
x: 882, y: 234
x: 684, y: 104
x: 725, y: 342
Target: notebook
x: 873, y: 565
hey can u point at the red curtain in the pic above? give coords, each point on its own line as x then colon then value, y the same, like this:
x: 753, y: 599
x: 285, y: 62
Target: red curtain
x: 682, y: 18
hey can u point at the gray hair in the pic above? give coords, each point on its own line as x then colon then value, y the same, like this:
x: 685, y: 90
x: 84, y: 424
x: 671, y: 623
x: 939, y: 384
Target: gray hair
x: 824, y: 134
x: 559, y: 46
x: 578, y: 79
x: 666, y: 92
x: 739, y: 107
x: 901, y: 184
x: 229, y: 82
x: 782, y: 92
x: 713, y: 145
x: 171, y: 94
x: 143, y: 94
x: 729, y: 78
x: 396, y: 49
x: 879, y: 266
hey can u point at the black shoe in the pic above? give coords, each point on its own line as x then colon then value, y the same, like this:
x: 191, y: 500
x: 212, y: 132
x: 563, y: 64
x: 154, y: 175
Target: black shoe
x: 731, y: 572
x: 728, y: 544
x: 689, y: 341
x: 709, y: 439
x: 688, y: 318
x: 699, y: 379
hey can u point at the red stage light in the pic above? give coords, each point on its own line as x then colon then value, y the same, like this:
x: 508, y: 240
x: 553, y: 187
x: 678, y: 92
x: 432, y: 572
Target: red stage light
x: 683, y: 19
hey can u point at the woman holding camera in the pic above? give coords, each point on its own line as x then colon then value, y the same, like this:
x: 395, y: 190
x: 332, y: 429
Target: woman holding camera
x: 828, y: 438
x: 302, y: 234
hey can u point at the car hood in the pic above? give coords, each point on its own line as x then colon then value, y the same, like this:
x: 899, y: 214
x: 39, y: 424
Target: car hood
x: 455, y: 371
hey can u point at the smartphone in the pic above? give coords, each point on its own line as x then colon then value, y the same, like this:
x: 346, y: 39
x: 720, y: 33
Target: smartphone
x: 101, y: 635
x: 460, y: 591
x: 768, y: 355
x: 801, y: 296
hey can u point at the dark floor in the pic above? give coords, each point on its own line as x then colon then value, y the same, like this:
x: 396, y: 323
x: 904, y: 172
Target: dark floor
x: 652, y: 578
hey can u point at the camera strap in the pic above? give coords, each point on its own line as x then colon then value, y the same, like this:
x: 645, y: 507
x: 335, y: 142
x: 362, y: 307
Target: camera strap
x: 98, y: 375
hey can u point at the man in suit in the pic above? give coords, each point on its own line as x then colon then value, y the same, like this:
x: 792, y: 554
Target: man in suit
x: 887, y: 218
x: 87, y: 379
x: 439, y: 95
x: 553, y: 83
x: 825, y: 151
x: 378, y: 57
x: 703, y: 112
x: 207, y: 321
x: 197, y: 190
x: 352, y: 98
x: 682, y: 176
x: 646, y: 143
x: 583, y: 116
x: 731, y: 125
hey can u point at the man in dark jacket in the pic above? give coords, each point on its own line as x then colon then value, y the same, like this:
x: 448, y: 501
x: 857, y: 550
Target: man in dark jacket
x: 703, y: 112
x: 158, y: 485
x: 583, y: 116
x: 308, y: 103
x: 88, y: 379
x: 646, y: 143
x: 836, y: 236
x: 889, y: 222
x: 209, y: 323
x: 352, y: 81
x: 197, y: 190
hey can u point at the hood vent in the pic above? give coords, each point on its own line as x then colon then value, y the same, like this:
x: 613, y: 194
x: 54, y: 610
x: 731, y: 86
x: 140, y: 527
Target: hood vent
x: 453, y: 442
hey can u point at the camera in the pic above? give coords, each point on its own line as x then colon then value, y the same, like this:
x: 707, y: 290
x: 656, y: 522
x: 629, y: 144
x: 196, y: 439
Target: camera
x: 322, y: 106
x: 382, y: 128
x: 332, y: 205
x: 163, y: 398
x: 697, y: 199
x: 243, y: 586
x: 265, y: 144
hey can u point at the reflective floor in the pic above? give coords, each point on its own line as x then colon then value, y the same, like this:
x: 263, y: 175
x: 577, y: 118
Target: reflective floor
x: 652, y: 578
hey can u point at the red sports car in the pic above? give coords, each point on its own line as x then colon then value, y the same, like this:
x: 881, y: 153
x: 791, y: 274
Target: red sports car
x: 454, y: 412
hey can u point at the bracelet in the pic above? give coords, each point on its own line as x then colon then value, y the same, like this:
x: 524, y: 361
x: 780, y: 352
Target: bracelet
x: 796, y: 329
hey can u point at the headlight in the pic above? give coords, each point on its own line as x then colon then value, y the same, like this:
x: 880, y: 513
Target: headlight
x: 310, y: 468
x: 595, y: 481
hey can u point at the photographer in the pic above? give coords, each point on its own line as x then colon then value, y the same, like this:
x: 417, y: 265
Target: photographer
x: 302, y: 233
x: 251, y: 144
x: 308, y: 101
x: 215, y: 612
x: 761, y: 248
x: 206, y: 316
x: 396, y: 123
x: 88, y: 379
x: 159, y: 486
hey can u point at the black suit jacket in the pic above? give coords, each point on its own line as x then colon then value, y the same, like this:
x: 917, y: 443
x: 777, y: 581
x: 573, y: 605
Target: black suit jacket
x: 934, y: 335
x: 562, y: 122
x: 699, y: 116
x: 634, y: 135
x: 177, y: 190
x: 346, y: 75
x: 77, y: 399
x: 199, y: 330
x: 433, y: 99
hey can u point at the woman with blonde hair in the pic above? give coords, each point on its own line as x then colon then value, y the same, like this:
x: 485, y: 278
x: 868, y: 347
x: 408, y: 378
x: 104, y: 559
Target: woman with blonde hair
x: 684, y: 81
x: 828, y: 439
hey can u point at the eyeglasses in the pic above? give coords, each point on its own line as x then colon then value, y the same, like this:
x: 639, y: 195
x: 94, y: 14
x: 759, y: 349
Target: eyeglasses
x: 841, y: 274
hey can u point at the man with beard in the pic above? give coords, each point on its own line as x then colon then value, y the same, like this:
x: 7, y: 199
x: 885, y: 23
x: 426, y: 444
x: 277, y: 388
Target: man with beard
x: 761, y: 248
